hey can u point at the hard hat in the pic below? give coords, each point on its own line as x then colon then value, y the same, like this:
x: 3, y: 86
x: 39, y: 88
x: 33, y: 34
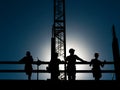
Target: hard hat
x: 71, y: 50
x: 96, y: 54
x: 27, y: 52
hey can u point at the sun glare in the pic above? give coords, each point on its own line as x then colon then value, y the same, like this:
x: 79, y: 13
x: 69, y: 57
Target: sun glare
x: 81, y: 49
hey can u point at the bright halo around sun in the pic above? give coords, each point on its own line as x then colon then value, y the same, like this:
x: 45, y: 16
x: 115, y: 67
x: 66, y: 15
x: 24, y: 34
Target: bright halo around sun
x: 81, y: 50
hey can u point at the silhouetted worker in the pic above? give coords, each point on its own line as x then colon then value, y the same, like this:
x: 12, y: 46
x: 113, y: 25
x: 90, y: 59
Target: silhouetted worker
x: 54, y: 67
x: 71, y: 68
x: 28, y: 60
x: 96, y: 66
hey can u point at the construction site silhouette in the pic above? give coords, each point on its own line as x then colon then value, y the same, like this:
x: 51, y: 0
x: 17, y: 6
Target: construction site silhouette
x: 58, y: 48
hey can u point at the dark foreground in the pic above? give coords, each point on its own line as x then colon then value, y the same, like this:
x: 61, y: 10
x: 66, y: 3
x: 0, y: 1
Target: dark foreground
x: 48, y: 84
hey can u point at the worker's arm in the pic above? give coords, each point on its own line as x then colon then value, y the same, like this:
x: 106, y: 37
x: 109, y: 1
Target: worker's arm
x: 78, y: 58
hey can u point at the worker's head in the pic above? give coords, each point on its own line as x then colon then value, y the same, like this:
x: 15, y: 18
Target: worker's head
x: 71, y: 51
x: 28, y: 53
x: 96, y: 55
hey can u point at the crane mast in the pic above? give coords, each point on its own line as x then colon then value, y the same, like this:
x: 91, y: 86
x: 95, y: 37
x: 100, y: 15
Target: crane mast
x: 58, y: 40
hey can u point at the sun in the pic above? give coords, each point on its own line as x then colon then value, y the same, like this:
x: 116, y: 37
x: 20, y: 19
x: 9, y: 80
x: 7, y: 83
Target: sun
x: 81, y: 50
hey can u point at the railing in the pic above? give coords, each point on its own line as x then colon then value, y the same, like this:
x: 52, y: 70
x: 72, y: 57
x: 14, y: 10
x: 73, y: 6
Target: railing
x: 39, y: 63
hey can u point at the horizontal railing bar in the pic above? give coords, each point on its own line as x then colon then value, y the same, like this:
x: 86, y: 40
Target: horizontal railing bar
x: 15, y: 62
x: 43, y: 62
x: 45, y: 71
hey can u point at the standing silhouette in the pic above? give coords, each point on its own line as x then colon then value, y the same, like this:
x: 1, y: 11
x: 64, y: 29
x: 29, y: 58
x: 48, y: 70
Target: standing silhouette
x: 96, y: 66
x: 54, y: 67
x: 71, y: 68
x: 28, y: 60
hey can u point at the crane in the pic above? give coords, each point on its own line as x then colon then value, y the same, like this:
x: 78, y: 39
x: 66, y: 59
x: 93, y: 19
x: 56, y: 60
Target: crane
x: 58, y: 40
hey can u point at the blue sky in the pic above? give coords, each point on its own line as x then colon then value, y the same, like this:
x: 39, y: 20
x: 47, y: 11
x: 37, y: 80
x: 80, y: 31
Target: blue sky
x: 27, y: 25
